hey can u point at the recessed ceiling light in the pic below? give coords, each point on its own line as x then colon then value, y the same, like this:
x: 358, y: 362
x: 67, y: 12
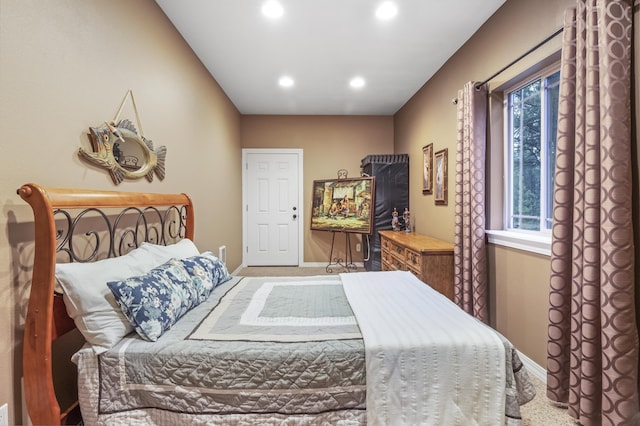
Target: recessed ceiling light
x: 272, y: 9
x: 386, y: 10
x: 357, y: 82
x: 285, y: 81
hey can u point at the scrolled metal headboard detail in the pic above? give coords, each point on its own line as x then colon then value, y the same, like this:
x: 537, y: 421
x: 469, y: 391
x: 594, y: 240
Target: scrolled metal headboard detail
x: 123, y: 231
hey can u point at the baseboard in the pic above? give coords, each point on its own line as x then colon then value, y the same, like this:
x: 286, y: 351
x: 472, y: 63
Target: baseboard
x: 312, y: 264
x: 324, y: 264
x: 536, y: 370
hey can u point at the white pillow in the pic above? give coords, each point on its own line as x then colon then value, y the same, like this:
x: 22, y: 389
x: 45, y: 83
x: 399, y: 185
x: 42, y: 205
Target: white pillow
x: 89, y: 301
x: 161, y: 254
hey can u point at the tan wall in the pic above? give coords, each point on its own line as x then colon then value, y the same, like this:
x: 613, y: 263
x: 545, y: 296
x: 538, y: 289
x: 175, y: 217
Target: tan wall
x: 519, y: 283
x: 330, y: 143
x: 518, y: 280
x: 65, y: 66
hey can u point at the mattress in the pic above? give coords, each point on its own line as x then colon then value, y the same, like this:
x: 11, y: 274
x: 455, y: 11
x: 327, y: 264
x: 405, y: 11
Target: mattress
x: 276, y: 350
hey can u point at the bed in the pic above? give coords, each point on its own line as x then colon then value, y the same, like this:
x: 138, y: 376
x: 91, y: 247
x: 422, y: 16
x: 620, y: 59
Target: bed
x: 172, y: 338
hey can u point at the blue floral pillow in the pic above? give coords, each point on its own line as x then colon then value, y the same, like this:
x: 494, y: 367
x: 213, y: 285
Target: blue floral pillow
x: 206, y: 271
x: 155, y: 301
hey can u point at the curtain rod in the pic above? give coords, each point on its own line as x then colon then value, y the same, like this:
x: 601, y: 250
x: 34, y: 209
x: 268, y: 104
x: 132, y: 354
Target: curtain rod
x: 558, y: 31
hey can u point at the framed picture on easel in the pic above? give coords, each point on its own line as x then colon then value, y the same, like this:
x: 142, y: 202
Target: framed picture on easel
x: 440, y: 171
x: 343, y: 205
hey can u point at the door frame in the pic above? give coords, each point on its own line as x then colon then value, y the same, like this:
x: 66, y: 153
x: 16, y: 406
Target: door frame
x: 300, y: 206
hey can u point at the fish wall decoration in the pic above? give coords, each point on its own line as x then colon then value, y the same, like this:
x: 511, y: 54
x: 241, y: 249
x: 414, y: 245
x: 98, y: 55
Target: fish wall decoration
x: 113, y: 145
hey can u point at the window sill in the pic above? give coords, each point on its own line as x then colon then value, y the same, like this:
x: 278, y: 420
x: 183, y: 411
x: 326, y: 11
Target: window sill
x: 531, y: 242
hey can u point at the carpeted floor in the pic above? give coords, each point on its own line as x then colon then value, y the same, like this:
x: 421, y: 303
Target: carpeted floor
x: 542, y: 412
x: 539, y: 412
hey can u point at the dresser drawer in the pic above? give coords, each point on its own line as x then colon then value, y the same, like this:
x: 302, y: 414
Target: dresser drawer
x: 391, y: 263
x: 386, y: 257
x: 397, y: 264
x: 416, y: 273
x: 385, y: 244
x: 385, y: 266
x: 396, y: 250
x: 414, y: 259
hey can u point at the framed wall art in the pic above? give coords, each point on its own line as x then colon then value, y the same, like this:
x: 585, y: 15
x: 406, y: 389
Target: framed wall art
x: 123, y: 151
x: 427, y: 169
x: 440, y: 170
x: 343, y: 205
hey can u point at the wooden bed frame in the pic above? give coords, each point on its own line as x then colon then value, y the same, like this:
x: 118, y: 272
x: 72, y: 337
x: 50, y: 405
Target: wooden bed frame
x: 47, y: 319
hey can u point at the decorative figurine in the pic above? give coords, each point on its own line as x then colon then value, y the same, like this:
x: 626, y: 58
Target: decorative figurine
x: 407, y: 220
x: 395, y: 223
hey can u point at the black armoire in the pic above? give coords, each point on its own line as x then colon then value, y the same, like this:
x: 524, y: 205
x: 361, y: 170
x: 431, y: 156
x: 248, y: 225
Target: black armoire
x: 391, y: 172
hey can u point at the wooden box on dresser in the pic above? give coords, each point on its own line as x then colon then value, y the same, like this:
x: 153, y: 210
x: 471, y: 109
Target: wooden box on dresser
x: 428, y: 258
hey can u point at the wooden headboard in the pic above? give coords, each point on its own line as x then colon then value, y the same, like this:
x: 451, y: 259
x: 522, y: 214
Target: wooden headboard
x: 157, y: 218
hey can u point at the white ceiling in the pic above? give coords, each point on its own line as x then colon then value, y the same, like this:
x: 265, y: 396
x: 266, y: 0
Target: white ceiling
x: 322, y: 44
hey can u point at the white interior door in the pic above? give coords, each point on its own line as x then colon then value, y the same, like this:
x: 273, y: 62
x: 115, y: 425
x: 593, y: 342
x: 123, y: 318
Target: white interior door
x: 272, y: 198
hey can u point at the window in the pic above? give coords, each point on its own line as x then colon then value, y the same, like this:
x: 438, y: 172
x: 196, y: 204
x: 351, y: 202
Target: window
x: 531, y: 118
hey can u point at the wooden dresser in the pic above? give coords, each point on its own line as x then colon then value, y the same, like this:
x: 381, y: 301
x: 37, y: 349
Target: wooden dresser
x: 428, y: 258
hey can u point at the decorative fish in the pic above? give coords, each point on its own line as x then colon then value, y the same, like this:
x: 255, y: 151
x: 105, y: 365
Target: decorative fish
x: 106, y: 140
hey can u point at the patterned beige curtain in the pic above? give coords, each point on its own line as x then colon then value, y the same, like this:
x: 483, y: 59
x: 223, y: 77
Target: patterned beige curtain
x: 592, y: 362
x: 470, y: 268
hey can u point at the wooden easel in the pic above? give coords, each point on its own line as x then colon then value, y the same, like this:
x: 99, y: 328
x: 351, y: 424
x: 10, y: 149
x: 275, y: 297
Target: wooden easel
x: 347, y: 262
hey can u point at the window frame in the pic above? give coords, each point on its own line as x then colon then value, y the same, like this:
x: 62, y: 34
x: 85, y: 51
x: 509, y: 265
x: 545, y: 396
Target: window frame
x: 529, y: 240
x: 541, y: 75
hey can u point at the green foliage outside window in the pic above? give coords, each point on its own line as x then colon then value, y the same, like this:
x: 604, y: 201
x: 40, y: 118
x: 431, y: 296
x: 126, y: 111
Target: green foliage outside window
x: 533, y: 114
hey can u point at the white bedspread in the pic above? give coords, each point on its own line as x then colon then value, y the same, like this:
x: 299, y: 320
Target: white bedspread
x: 448, y: 371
